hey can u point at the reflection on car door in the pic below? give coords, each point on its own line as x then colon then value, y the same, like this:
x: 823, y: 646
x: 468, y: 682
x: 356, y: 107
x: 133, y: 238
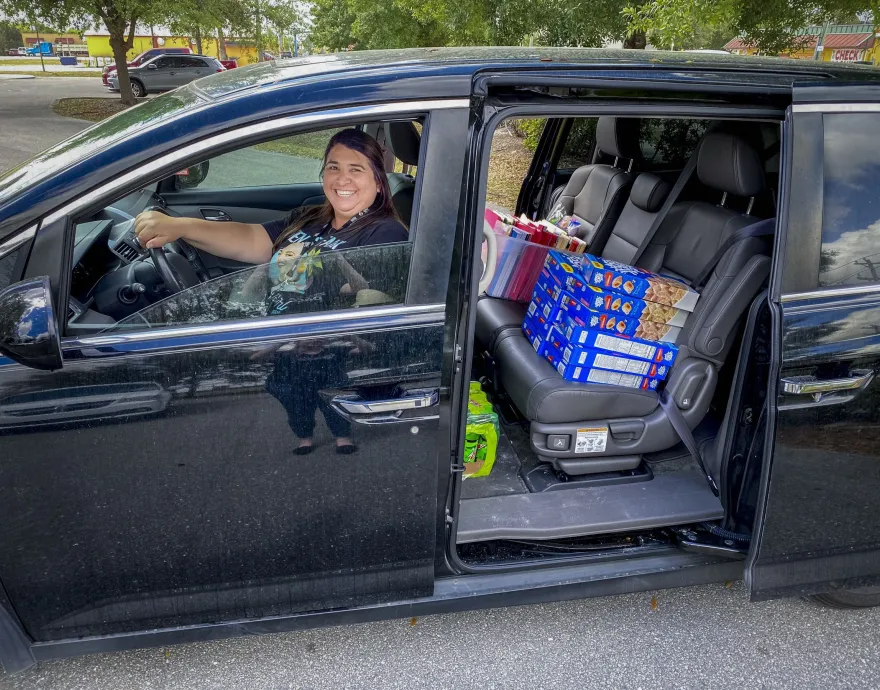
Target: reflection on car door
x: 188, y: 69
x: 817, y: 517
x: 199, y: 511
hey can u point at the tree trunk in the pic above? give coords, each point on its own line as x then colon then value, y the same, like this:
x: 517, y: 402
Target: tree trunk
x: 117, y: 43
x: 221, y: 44
x: 636, y: 40
x: 198, y: 40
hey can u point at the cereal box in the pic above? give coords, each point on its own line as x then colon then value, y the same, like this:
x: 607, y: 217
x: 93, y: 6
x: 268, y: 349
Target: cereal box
x: 624, y: 279
x: 562, y: 266
x: 574, y: 372
x: 633, y: 347
x: 625, y: 325
x: 616, y: 303
x: 535, y: 333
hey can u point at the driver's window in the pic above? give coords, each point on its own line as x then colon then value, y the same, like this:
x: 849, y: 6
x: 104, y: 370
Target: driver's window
x: 315, y: 266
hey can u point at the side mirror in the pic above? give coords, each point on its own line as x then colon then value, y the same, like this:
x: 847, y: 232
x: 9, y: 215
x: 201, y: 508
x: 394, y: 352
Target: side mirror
x: 27, y: 325
x: 192, y: 176
x: 152, y: 65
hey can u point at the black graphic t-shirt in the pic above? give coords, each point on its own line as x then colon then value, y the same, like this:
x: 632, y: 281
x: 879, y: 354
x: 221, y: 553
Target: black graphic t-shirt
x: 303, y: 278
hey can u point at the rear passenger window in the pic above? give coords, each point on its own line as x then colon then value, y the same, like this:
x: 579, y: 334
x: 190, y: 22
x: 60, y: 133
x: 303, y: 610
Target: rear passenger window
x: 578, y: 148
x: 851, y: 207
x: 667, y: 144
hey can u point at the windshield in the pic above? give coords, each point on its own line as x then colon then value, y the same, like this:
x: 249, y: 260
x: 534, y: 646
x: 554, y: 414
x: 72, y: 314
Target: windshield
x: 93, y: 139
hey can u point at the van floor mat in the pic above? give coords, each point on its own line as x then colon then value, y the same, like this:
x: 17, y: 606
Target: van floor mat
x: 503, y: 480
x: 666, y: 500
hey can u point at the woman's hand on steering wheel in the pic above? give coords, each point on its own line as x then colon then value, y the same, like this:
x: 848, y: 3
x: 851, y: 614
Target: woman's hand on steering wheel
x: 155, y: 228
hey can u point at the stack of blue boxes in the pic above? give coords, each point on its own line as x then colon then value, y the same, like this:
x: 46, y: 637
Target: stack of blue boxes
x: 599, y: 321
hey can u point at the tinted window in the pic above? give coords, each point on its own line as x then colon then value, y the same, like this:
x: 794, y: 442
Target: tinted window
x: 191, y: 62
x: 851, y: 207
x: 342, y: 279
x: 7, y: 266
x: 667, y: 144
x: 578, y: 148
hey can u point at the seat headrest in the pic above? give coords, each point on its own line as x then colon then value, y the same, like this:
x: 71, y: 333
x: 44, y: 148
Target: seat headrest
x: 729, y: 164
x: 618, y: 137
x: 649, y: 192
x: 404, y: 141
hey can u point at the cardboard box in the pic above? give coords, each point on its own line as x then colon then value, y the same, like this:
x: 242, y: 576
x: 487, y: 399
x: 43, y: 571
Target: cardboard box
x: 597, y: 359
x: 625, y: 325
x: 652, y: 351
x: 615, y: 303
x: 535, y: 333
x: 587, y: 374
x: 635, y: 282
x: 563, y: 266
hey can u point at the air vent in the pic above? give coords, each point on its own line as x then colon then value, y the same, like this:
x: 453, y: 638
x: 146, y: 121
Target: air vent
x: 126, y: 251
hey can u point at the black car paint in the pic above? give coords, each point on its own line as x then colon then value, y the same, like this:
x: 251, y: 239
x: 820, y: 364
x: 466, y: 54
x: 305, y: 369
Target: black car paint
x: 441, y: 75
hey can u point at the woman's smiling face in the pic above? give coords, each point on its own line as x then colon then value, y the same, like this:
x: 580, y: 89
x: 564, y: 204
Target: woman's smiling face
x: 349, y: 182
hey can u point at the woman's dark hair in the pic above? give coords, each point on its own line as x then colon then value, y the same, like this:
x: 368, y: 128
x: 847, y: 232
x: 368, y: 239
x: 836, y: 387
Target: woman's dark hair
x: 383, y: 206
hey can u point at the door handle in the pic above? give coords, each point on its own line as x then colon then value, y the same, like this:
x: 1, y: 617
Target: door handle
x: 409, y: 402
x: 214, y: 214
x: 818, y: 388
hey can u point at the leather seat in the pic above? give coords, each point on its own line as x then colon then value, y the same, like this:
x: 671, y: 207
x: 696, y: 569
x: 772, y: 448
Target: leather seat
x: 596, y: 193
x: 689, y: 237
x: 404, y: 141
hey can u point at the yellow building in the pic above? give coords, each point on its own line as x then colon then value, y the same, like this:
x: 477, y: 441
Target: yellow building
x: 832, y: 43
x: 99, y: 46
x: 30, y: 38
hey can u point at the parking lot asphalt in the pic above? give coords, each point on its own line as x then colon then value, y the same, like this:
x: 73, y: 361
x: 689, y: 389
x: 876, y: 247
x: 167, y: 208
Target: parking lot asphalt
x: 27, y: 122
x: 696, y: 637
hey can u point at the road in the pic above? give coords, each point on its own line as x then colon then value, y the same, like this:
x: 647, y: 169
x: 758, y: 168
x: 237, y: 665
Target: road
x: 28, y: 123
x: 696, y: 637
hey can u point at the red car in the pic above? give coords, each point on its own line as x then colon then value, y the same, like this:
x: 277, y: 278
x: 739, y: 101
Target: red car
x: 229, y: 64
x: 140, y: 59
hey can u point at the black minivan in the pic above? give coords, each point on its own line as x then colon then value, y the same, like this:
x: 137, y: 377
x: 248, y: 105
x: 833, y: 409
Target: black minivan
x: 149, y: 489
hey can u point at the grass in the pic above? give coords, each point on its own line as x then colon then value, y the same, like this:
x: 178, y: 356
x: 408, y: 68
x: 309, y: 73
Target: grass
x: 49, y: 73
x: 307, y: 145
x: 28, y: 61
x: 91, y: 109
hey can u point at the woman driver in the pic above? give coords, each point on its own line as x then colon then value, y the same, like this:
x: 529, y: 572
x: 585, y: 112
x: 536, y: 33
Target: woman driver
x: 358, y: 212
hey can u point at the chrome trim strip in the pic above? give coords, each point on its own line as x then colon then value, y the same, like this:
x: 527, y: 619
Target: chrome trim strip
x: 836, y: 107
x: 246, y: 326
x: 14, y: 243
x: 169, y: 159
x: 831, y: 292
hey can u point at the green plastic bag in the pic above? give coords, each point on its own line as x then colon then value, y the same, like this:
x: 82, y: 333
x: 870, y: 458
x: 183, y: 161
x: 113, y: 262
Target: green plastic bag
x: 481, y: 434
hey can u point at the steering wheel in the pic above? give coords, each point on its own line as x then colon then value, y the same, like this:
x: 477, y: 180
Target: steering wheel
x: 185, y: 248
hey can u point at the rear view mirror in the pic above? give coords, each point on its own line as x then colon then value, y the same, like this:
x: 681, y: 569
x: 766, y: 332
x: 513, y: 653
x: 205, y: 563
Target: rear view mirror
x: 28, y: 334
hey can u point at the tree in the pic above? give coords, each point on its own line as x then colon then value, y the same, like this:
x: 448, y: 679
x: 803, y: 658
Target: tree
x: 770, y: 25
x: 120, y: 17
x: 10, y: 36
x: 284, y: 17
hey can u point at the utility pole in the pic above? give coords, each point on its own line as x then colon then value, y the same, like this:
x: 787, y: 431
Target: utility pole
x: 871, y: 266
x: 40, y: 48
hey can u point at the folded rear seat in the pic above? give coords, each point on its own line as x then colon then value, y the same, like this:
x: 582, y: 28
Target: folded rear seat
x: 687, y: 242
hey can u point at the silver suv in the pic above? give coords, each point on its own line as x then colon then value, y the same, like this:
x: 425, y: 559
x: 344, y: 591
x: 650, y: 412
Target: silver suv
x: 166, y: 72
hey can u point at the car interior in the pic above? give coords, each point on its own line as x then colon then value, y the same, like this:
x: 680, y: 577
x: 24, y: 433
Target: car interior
x: 115, y: 281
x: 542, y: 497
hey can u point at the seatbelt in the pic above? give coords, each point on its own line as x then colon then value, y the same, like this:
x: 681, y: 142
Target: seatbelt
x: 762, y: 228
x: 674, y: 193
x: 673, y: 414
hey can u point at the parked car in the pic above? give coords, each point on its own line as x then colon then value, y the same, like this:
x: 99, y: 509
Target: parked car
x: 142, y: 58
x: 12, y: 51
x: 167, y: 72
x: 758, y: 460
x: 229, y: 64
